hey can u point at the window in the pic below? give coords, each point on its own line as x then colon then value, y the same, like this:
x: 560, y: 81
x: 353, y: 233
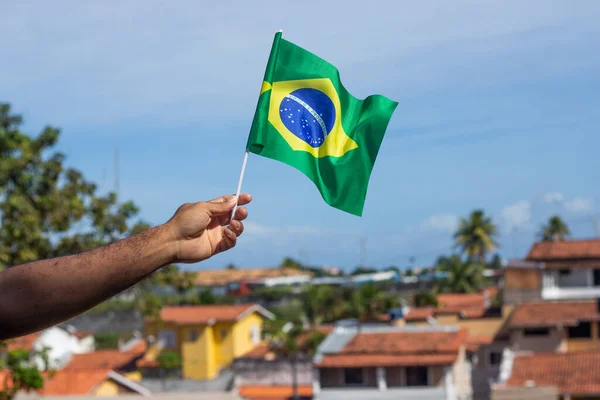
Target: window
x: 416, y: 376
x: 223, y: 333
x: 581, y: 331
x: 494, y: 357
x: 563, y: 272
x: 168, y: 338
x: 536, y: 332
x: 193, y: 335
x: 597, y: 277
x: 255, y: 334
x: 353, y: 376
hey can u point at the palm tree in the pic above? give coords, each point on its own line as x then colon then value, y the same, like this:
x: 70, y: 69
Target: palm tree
x: 555, y: 230
x: 475, y: 236
x: 369, y: 302
x: 288, y: 340
x: 463, y: 276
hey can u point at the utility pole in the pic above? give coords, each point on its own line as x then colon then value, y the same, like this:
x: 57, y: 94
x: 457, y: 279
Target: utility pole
x: 596, y: 228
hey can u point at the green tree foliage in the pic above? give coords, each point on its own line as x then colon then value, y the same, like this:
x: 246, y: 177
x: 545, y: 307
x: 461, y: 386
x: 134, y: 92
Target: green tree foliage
x: 555, y: 230
x: 207, y: 297
x: 46, y: 208
x: 464, y: 276
x: 363, y: 270
x: 108, y: 340
x: 290, y: 263
x: 495, y: 262
x: 476, y: 236
x: 425, y: 299
x: 23, y: 373
x: 169, y: 360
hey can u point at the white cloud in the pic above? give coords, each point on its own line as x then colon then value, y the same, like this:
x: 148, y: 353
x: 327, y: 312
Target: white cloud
x: 554, y: 197
x: 441, y: 222
x: 518, y: 214
x: 579, y: 205
x: 254, y: 228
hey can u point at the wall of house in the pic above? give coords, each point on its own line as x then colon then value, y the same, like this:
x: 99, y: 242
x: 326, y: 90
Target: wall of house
x: 447, y: 319
x: 334, y: 377
x: 482, y: 326
x: 553, y: 342
x: 436, y: 375
x: 223, y: 338
x: 242, y: 333
x: 331, y: 377
x: 198, y: 356
x: 575, y: 278
x: 395, y: 376
x: 482, y: 372
x: 268, y: 373
x: 461, y: 374
x: 110, y: 388
x: 585, y: 344
x: 521, y: 285
x: 370, y: 377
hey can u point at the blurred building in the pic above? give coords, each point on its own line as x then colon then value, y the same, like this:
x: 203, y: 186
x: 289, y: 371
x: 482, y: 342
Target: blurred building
x: 208, y: 338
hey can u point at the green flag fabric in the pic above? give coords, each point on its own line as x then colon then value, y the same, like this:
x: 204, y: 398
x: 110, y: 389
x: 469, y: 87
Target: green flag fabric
x: 307, y: 119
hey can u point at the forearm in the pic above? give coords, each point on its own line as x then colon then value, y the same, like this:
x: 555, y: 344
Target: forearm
x: 43, y: 293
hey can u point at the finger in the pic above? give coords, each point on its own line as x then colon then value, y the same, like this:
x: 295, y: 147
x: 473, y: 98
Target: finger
x: 229, y: 239
x: 244, y: 199
x: 219, y: 206
x: 237, y: 227
x: 241, y: 214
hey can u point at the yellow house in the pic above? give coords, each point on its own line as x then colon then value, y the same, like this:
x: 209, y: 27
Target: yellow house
x: 207, y: 337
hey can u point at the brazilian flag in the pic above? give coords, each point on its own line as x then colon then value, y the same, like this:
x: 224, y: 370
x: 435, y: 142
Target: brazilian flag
x: 307, y: 119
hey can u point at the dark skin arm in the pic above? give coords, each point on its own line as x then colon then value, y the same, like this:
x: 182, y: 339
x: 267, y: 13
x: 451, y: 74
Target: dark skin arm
x: 43, y: 293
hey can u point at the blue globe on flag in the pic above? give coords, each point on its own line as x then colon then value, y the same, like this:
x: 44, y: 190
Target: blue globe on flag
x: 309, y: 114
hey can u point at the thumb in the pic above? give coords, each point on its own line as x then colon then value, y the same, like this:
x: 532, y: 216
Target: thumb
x: 221, y: 205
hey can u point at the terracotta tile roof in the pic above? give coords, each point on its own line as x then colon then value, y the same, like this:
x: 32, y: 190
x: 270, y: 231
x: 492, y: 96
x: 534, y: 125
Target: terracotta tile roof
x: 385, y: 360
x: 572, y: 373
x: 405, y: 342
x: 398, y: 348
x: 473, y: 342
x: 74, y: 382
x: 419, y: 313
x: 461, y: 300
x: 468, y: 305
x: 260, y: 351
x: 225, y: 276
x: 4, y: 382
x: 145, y: 363
x: 203, y: 315
x: 104, y: 359
x: 565, y: 250
x: 273, y: 392
x: 553, y: 313
x: 23, y: 342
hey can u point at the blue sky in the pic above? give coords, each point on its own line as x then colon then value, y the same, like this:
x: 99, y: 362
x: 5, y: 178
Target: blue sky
x: 499, y: 109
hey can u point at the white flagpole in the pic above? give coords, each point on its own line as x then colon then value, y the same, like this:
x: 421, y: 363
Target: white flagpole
x: 239, y: 185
